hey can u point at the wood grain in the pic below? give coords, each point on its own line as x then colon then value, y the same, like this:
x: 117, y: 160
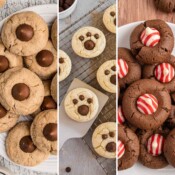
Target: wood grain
x: 136, y: 10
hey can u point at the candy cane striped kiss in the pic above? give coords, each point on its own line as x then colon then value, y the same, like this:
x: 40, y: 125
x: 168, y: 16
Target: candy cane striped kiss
x: 121, y: 149
x: 121, y: 118
x: 122, y: 68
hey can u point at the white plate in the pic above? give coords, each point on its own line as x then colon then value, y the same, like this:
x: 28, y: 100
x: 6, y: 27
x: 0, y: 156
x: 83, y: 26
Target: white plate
x: 49, y: 13
x: 124, y: 33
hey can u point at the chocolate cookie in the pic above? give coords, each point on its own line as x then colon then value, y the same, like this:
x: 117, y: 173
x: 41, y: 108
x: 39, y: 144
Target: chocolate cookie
x: 151, y: 150
x: 128, y: 148
x: 152, y: 42
x: 65, y: 4
x: 164, y: 73
x: 129, y: 70
x: 165, y: 5
x: 146, y: 104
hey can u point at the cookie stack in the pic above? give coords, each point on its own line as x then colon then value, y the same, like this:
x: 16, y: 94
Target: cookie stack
x: 28, y: 66
x: 146, y: 76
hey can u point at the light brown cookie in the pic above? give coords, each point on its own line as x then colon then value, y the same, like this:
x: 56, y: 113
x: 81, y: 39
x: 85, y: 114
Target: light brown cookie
x: 54, y: 88
x: 54, y: 34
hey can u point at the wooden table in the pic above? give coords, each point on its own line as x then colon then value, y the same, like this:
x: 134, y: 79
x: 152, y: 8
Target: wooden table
x: 136, y: 10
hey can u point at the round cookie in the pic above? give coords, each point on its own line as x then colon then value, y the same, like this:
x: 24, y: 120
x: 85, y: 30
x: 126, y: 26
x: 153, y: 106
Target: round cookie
x: 163, y: 73
x: 21, y: 91
x: 54, y: 34
x: 44, y: 63
x: 152, y: 42
x: 106, y: 76
x: 104, y: 140
x: 88, y: 42
x: 25, y: 33
x: 65, y: 65
x: 146, y: 104
x: 128, y: 69
x: 127, y: 156
x: 20, y: 147
x: 81, y: 104
x: 109, y: 18
x: 44, y: 131
x: 165, y: 5
x: 147, y: 157
x: 53, y: 88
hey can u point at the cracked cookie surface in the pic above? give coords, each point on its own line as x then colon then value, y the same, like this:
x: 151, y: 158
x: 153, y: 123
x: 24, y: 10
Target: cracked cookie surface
x: 54, y: 34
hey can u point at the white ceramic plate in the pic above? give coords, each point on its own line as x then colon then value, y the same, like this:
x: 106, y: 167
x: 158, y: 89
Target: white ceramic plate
x: 49, y: 13
x: 124, y: 33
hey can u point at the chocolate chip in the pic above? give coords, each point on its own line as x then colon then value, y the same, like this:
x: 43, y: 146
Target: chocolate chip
x: 115, y: 21
x: 112, y: 14
x: 4, y: 63
x: 61, y: 60
x: 45, y: 58
x: 111, y: 147
x: 20, y: 91
x: 113, y: 68
x: 48, y: 103
x: 68, y: 169
x: 81, y: 38
x: 107, y: 72
x: 81, y: 97
x: 111, y: 134
x: 3, y: 111
x: 83, y: 110
x: 75, y: 101
x: 26, y: 145
x: 50, y: 132
x: 96, y: 36
x: 104, y: 136
x: 24, y: 32
x: 89, y: 45
x: 88, y: 34
x: 89, y: 100
x: 113, y: 79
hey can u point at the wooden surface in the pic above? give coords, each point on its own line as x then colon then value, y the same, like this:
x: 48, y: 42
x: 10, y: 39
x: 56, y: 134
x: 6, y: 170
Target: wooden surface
x: 136, y: 10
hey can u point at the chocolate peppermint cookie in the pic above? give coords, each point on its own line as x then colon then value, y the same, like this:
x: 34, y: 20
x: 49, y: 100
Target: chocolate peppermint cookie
x: 152, y: 42
x: 165, y: 5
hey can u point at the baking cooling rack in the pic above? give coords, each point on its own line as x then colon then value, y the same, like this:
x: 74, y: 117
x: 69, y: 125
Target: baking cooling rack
x: 85, y: 70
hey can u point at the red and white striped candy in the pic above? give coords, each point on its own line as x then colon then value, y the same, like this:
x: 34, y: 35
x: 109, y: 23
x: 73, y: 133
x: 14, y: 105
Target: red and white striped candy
x: 121, y: 149
x: 147, y: 104
x: 121, y: 118
x: 150, y: 37
x: 164, y: 72
x: 155, y: 144
x: 122, y: 68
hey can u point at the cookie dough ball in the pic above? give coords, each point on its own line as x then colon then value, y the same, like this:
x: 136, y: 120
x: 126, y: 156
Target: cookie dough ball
x: 104, y: 140
x: 44, y: 131
x: 21, y: 91
x: 88, y: 42
x: 165, y: 5
x: 54, y: 34
x: 109, y: 18
x: 8, y: 60
x: 81, y: 104
x: 129, y: 70
x: 65, y: 65
x: 25, y: 33
x: 7, y: 119
x: 146, y: 104
x: 106, y: 76
x: 152, y: 42
x: 54, y: 88
x: 44, y: 63
x: 128, y: 148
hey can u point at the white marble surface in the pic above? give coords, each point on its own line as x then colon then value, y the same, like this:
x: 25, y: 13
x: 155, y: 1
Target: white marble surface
x: 10, y: 7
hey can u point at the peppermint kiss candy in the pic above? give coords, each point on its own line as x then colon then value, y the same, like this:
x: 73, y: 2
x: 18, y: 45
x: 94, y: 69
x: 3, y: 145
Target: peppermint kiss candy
x: 150, y: 37
x: 155, y: 144
x: 147, y: 104
x: 121, y: 118
x: 121, y: 149
x: 164, y: 72
x: 122, y: 68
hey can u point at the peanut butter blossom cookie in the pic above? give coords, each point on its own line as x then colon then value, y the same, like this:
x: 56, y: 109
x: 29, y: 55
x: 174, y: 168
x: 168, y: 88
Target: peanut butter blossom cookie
x: 88, y: 42
x: 53, y: 88
x: 54, y: 34
x: 20, y: 147
x: 152, y: 42
x: 81, y: 104
x: 104, y: 140
x: 25, y: 33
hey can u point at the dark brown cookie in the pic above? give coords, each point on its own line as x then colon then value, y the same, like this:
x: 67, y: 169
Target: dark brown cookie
x: 157, y: 54
x: 165, y: 5
x: 131, y: 109
x: 145, y: 157
x: 131, y: 144
x: 134, y: 69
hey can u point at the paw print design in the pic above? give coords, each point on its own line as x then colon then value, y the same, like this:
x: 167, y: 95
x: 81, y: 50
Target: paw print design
x: 111, y: 73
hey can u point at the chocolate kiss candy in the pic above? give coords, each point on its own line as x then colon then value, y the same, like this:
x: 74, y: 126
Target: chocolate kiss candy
x: 111, y: 147
x: 50, y: 132
x: 83, y: 110
x: 89, y: 45
x: 3, y: 111
x: 48, y: 103
x: 26, y: 144
x: 4, y: 64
